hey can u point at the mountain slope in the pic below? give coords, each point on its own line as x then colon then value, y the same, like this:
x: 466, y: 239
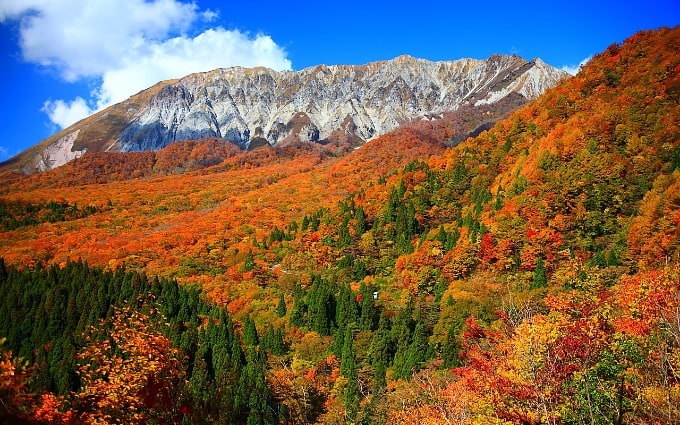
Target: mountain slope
x: 527, y: 275
x: 539, y: 261
x: 251, y: 107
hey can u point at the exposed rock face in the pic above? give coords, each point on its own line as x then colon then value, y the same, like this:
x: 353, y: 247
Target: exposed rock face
x: 239, y: 104
x: 58, y: 153
x: 256, y: 106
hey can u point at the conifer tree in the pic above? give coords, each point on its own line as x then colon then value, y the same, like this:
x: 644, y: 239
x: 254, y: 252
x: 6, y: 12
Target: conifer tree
x: 381, y: 349
x: 540, y: 277
x: 297, y: 315
x: 348, y: 369
x: 281, y: 306
x: 402, y: 329
x: 418, y: 350
x: 360, y: 225
x: 256, y: 391
x: 249, y: 263
x: 379, y: 379
x: 369, y: 312
x: 347, y: 311
x: 321, y: 307
x: 272, y: 341
x: 250, y: 336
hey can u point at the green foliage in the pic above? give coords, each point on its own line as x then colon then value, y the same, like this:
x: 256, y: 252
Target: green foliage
x: 540, y: 278
x: 347, y: 310
x: 321, y: 306
x: 281, y: 309
x: 360, y: 224
x: 249, y: 263
x: 348, y: 369
x: 46, y: 312
x: 15, y: 215
x: 299, y: 311
x: 250, y: 336
x: 273, y: 341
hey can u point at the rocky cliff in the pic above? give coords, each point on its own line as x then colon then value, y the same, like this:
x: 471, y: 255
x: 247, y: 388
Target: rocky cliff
x: 254, y: 106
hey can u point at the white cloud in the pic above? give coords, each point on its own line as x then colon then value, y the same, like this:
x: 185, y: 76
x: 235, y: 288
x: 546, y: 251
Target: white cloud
x: 127, y: 45
x: 574, y: 69
x: 209, y: 15
x: 66, y: 113
x: 4, y: 153
x: 180, y: 56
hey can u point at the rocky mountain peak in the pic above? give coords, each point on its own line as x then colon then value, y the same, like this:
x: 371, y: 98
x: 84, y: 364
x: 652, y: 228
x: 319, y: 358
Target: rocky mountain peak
x: 241, y: 105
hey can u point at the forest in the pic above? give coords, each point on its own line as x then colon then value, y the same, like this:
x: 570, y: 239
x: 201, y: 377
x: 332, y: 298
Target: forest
x: 526, y: 275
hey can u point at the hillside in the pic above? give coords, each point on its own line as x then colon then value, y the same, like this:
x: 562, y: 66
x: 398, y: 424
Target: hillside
x: 324, y: 104
x: 527, y: 275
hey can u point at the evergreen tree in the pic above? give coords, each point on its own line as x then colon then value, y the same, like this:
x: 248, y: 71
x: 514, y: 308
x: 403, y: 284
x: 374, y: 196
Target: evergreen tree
x: 359, y: 269
x: 281, y: 307
x: 272, y: 341
x: 344, y: 237
x: 259, y: 412
x: 369, y: 312
x: 540, y: 278
x: 321, y: 306
x: 402, y: 329
x: 250, y: 336
x: 297, y: 315
x: 249, y: 263
x: 451, y: 347
x: 347, y: 311
x: 379, y: 379
x: 360, y: 225
x: 381, y: 349
x: 348, y: 369
x: 417, y: 352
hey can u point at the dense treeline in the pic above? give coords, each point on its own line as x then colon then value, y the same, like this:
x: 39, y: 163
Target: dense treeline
x: 61, y: 321
x: 17, y: 214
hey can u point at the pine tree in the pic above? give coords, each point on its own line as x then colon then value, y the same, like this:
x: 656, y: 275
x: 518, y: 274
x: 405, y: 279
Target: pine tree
x: 250, y: 336
x: 360, y: 225
x: 321, y: 307
x: 297, y: 315
x: 281, y: 307
x: 540, y: 277
x: 253, y: 388
x: 379, y: 379
x: 249, y: 263
x: 348, y: 369
x: 272, y: 341
x: 451, y: 347
x: 402, y: 329
x: 369, y: 312
x: 381, y: 349
x: 347, y: 311
x: 418, y: 350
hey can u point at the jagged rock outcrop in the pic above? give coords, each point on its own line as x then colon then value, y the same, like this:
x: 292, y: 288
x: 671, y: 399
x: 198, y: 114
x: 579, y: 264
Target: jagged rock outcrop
x: 243, y: 105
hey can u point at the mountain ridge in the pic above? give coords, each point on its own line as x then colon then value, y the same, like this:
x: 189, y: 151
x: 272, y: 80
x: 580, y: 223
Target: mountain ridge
x: 254, y: 106
x: 527, y: 275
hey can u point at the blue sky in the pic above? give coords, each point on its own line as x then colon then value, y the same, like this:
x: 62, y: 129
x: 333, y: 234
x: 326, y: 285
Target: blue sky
x: 62, y: 60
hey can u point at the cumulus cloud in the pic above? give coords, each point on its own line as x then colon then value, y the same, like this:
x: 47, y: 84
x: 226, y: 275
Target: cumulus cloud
x: 64, y: 113
x: 574, y: 69
x: 126, y: 46
x: 179, y: 56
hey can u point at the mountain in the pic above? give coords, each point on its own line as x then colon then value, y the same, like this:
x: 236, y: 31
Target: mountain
x: 530, y: 274
x: 259, y: 106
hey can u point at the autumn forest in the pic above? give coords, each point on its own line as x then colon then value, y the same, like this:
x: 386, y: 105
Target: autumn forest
x: 527, y: 274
